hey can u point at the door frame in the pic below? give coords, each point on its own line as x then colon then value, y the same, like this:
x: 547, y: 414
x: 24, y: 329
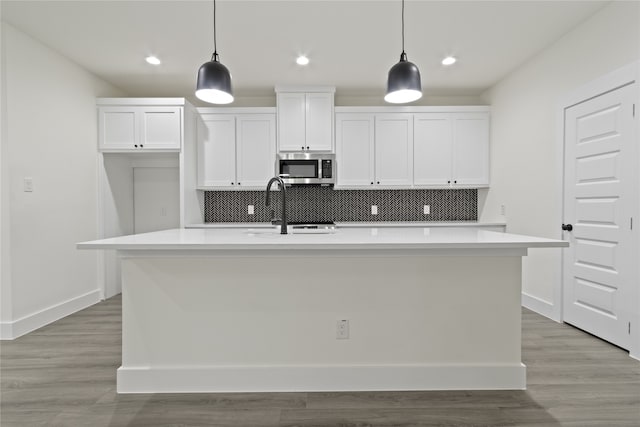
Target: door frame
x: 623, y: 76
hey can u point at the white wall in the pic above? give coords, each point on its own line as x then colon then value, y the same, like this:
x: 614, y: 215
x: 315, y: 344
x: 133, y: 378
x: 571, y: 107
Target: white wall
x: 49, y: 134
x: 526, y: 159
x: 5, y: 270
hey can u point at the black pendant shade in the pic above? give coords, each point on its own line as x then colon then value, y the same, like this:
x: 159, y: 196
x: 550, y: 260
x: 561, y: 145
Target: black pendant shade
x: 403, y: 83
x: 214, y: 79
x: 214, y: 83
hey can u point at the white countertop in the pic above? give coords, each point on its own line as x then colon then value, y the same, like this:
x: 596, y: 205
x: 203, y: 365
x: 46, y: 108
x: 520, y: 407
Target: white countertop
x: 360, y: 238
x: 357, y: 224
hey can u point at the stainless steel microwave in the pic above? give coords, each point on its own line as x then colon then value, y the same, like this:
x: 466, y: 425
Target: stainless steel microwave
x: 307, y: 168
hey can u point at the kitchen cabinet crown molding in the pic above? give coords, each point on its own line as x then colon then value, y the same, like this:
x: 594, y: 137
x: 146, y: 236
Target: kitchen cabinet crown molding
x: 142, y: 101
x: 304, y: 88
x: 236, y: 110
x: 416, y: 109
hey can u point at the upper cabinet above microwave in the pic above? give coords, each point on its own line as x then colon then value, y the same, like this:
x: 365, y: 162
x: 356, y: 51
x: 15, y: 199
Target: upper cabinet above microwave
x: 305, y: 118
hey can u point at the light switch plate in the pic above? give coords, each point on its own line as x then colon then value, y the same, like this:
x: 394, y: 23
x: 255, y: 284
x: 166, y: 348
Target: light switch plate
x: 427, y: 209
x: 28, y: 184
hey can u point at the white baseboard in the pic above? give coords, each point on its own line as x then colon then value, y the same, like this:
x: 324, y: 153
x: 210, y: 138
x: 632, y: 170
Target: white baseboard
x: 540, y: 306
x: 31, y: 322
x: 321, y: 378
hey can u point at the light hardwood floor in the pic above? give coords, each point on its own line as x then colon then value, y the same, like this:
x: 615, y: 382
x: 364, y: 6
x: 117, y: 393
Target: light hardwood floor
x: 65, y: 375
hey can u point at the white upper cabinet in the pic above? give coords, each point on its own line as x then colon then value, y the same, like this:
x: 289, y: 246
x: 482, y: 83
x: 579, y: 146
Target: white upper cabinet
x: 319, y: 122
x: 305, y: 119
x: 470, y: 149
x: 255, y: 149
x: 394, y: 150
x: 236, y: 151
x: 126, y: 128
x: 421, y: 147
x: 451, y: 150
x: 292, y: 114
x: 161, y: 128
x: 355, y: 150
x: 216, y: 135
x: 432, y: 149
x: 374, y: 150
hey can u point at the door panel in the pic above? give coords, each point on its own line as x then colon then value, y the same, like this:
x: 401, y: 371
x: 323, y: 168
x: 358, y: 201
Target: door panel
x: 598, y: 267
x: 256, y: 149
x: 394, y: 149
x: 156, y: 199
x: 354, y: 149
x: 432, y: 149
x: 216, y: 151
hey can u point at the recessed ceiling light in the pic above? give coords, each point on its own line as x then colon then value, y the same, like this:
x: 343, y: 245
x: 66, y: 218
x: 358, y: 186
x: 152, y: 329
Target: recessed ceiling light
x: 302, y: 60
x: 152, y: 60
x: 449, y: 60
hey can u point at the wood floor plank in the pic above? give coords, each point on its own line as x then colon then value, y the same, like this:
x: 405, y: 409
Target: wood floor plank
x: 64, y: 374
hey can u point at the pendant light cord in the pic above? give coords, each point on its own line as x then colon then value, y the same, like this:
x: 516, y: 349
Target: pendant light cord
x: 403, y: 26
x: 214, y: 57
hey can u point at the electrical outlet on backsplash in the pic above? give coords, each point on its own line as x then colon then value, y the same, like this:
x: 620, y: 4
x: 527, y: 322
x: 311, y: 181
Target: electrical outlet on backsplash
x: 320, y: 204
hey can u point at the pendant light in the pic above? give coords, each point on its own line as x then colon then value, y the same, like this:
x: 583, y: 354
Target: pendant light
x: 403, y: 83
x: 214, y: 79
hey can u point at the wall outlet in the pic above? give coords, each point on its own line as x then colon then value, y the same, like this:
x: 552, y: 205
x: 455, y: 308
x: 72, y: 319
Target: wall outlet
x: 250, y: 209
x: 28, y: 184
x: 503, y: 210
x: 426, y: 209
x: 342, y: 330
x: 374, y: 209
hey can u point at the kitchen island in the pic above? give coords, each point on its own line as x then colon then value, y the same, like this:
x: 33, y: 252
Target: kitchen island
x: 223, y: 310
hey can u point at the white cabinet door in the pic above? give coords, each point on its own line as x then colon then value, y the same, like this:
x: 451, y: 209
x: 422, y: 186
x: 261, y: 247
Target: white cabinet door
x: 355, y: 150
x: 118, y: 128
x: 139, y: 128
x: 470, y: 149
x: 255, y: 149
x: 291, y: 121
x: 432, y: 149
x: 394, y: 150
x: 161, y: 128
x: 319, y: 122
x: 216, y: 135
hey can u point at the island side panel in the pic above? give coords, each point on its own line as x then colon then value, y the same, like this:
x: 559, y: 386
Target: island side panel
x: 268, y: 323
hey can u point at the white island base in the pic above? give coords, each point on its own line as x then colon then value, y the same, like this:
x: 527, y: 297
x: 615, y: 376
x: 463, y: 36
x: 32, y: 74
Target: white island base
x: 212, y: 322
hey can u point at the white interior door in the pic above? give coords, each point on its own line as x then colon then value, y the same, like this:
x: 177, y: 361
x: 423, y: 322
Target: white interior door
x: 156, y: 199
x: 598, y: 203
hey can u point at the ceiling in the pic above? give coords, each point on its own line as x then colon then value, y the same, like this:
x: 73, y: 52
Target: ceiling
x: 351, y: 44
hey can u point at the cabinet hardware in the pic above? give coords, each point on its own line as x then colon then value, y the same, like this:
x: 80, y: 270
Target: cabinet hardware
x: 232, y: 183
x: 448, y: 182
x: 136, y: 145
x: 302, y: 147
x: 378, y: 182
x: 307, y: 147
x: 455, y: 182
x: 141, y: 145
x: 567, y: 227
x: 371, y: 182
x: 238, y: 183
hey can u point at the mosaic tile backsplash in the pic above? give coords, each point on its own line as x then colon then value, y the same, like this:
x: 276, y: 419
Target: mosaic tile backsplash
x: 316, y: 204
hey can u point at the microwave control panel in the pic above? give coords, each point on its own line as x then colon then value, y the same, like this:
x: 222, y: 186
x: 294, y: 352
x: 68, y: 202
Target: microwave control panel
x: 327, y: 168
